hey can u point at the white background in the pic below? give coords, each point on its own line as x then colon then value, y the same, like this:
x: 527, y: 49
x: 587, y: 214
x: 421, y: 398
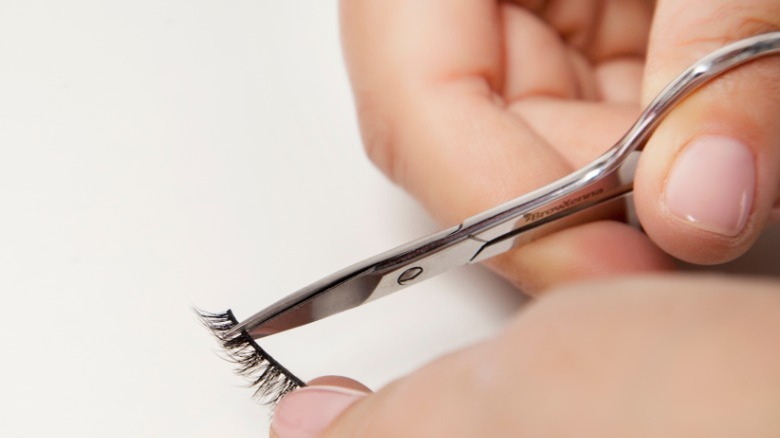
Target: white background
x: 160, y: 154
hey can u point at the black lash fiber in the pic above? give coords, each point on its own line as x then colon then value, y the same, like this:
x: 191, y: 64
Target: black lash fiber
x: 268, y: 377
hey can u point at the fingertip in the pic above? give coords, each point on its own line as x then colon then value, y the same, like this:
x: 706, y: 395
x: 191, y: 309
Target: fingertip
x: 707, y: 180
x: 709, y: 176
x: 309, y: 411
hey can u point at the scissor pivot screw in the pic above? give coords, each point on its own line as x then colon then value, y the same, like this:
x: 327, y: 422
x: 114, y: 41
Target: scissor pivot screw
x: 410, y: 275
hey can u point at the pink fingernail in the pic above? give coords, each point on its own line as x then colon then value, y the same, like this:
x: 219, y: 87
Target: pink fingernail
x: 307, y: 412
x: 711, y: 185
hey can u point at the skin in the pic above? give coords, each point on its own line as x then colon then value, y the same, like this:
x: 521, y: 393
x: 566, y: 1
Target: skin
x: 470, y: 103
x: 671, y: 356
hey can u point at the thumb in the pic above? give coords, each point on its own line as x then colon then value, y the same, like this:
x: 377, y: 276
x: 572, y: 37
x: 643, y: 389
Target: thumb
x: 309, y: 411
x: 463, y: 393
x: 709, y: 177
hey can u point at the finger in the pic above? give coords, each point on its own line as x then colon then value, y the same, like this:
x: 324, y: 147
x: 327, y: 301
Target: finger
x: 620, y: 80
x: 307, y: 412
x: 572, y: 49
x: 538, y: 62
x: 594, y: 250
x: 601, y: 29
x: 709, y: 176
x: 456, y: 395
x: 575, y: 363
x: 578, y: 130
x: 427, y: 78
x: 631, y: 356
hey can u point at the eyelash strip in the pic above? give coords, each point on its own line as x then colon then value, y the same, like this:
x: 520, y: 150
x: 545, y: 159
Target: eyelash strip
x: 268, y: 377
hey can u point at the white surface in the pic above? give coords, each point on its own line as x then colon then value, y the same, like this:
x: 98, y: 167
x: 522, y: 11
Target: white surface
x: 160, y: 154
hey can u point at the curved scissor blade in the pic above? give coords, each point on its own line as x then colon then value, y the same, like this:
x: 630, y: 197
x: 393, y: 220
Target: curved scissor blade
x: 366, y: 281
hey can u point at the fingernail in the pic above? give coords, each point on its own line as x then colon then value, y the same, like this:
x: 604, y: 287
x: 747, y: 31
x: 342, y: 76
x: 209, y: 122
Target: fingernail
x: 711, y: 185
x: 308, y: 411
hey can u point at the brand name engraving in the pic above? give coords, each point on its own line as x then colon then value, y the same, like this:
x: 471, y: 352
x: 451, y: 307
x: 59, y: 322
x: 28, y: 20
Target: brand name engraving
x: 565, y: 205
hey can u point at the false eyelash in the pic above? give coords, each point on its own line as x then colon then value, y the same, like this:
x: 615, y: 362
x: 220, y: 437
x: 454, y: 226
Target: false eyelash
x: 271, y: 380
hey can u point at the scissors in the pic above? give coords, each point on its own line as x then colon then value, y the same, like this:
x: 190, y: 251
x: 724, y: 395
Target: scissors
x: 605, y: 181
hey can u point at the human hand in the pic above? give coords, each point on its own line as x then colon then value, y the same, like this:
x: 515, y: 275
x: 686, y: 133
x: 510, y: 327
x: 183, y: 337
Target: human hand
x: 674, y: 357
x: 471, y: 103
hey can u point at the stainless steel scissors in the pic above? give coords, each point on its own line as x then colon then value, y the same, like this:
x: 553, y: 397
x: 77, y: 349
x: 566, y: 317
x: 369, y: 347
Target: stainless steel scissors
x: 608, y: 179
